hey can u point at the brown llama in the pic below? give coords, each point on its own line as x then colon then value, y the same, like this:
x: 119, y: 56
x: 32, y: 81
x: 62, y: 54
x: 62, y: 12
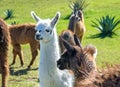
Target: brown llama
x: 76, y: 24
x: 23, y: 34
x: 68, y: 36
x: 108, y: 77
x: 82, y: 62
x: 4, y: 47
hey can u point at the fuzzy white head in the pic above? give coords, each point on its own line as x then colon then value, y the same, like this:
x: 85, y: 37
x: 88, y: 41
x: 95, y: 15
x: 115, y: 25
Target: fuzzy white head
x: 44, y: 28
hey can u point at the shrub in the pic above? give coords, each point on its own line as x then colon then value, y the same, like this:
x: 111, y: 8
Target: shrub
x: 79, y: 4
x: 106, y: 25
x: 8, y: 14
x: 14, y: 23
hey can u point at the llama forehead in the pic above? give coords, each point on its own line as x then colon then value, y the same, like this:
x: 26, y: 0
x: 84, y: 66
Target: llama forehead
x: 43, y: 24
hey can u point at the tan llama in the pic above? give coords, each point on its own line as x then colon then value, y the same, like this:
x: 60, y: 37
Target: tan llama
x: 76, y: 24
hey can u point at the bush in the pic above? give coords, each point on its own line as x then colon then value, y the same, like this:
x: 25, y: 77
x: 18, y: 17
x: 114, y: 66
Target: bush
x: 106, y: 25
x: 14, y: 23
x: 79, y: 5
x: 8, y: 14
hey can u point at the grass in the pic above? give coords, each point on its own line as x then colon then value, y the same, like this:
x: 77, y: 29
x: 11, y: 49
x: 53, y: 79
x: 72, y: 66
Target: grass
x: 108, y: 48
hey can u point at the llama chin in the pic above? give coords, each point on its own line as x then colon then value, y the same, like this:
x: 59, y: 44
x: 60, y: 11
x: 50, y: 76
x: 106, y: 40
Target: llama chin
x: 49, y: 74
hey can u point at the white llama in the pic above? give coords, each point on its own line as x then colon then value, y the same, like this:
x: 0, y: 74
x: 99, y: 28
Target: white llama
x: 49, y: 74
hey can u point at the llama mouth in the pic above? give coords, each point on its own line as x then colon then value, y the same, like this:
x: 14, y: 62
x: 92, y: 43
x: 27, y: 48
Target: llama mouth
x: 38, y: 38
x: 60, y: 67
x: 41, y: 38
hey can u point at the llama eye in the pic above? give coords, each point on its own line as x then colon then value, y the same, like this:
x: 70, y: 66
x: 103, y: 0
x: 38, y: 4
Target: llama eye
x: 47, y: 30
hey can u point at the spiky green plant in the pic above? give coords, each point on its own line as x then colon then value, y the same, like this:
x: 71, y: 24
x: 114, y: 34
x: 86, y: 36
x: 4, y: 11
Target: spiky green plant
x: 14, y: 23
x: 8, y: 14
x: 79, y: 4
x: 106, y: 25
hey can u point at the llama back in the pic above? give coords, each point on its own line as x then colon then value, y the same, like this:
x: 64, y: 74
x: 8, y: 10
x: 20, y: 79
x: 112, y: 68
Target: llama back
x: 23, y: 33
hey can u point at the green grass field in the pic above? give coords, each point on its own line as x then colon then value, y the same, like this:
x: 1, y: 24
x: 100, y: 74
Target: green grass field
x: 108, y: 48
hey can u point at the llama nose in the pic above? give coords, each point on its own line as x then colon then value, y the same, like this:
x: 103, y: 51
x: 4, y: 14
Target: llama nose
x: 38, y: 37
x: 79, y: 19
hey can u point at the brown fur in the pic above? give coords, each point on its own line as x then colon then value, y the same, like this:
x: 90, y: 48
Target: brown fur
x: 4, y: 45
x: 76, y: 24
x: 68, y: 36
x: 77, y: 59
x: 23, y: 34
x: 80, y: 60
x: 109, y: 77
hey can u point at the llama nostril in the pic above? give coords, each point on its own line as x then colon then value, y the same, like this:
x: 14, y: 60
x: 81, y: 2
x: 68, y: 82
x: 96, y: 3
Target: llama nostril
x: 38, y: 37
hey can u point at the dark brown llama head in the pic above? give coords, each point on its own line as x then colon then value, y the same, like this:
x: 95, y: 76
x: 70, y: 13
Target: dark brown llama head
x: 79, y: 60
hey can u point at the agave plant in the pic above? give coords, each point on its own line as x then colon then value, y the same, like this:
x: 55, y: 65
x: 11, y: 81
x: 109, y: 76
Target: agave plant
x: 79, y: 4
x: 14, y: 23
x: 8, y: 14
x: 106, y: 25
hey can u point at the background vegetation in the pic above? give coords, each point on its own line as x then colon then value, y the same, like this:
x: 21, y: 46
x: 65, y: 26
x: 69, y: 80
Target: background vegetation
x: 108, y: 48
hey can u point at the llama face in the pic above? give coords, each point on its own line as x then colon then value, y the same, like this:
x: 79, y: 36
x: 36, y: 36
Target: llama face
x: 77, y: 59
x: 74, y: 17
x: 44, y: 28
x: 80, y: 14
x: 43, y: 31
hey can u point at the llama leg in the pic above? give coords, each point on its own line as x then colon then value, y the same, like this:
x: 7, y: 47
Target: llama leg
x: 34, y: 54
x: 17, y: 51
x: 14, y: 56
x: 5, y: 71
x: 21, y: 57
x: 20, y: 54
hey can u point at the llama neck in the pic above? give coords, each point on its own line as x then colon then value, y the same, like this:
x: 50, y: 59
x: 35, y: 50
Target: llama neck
x: 71, y: 25
x: 82, y: 18
x: 83, y: 75
x: 49, y: 53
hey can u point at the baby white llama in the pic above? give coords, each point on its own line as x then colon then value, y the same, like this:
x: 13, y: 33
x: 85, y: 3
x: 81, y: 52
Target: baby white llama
x: 49, y: 74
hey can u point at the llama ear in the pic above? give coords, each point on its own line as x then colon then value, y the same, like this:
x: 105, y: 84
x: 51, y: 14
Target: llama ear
x: 92, y: 50
x: 69, y: 47
x: 77, y: 41
x: 55, y: 19
x: 35, y: 16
